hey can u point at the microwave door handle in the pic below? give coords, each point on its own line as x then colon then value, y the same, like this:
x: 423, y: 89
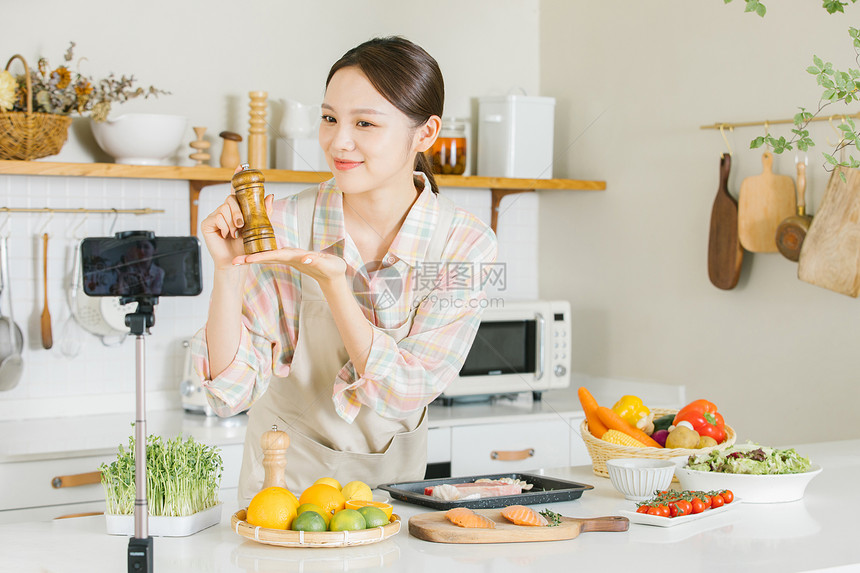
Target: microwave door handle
x: 540, y: 345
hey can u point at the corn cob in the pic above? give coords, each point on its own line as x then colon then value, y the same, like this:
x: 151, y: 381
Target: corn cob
x: 622, y: 439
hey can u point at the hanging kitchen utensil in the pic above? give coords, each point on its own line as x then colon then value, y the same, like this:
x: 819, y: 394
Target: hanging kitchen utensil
x: 11, y: 339
x: 791, y: 232
x: 47, y: 336
x: 766, y: 200
x: 830, y: 255
x: 725, y: 254
x: 102, y: 316
x: 70, y: 336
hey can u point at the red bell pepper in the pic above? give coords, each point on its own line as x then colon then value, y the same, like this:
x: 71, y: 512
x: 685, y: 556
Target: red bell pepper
x: 705, y: 419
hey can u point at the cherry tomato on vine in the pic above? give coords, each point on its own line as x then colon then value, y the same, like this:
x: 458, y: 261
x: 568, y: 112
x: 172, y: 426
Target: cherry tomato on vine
x: 728, y: 496
x: 697, y: 505
x: 717, y: 501
x: 642, y: 509
x: 680, y: 508
x: 659, y: 510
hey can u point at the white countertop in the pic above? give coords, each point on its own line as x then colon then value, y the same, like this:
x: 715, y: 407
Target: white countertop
x: 78, y: 436
x: 815, y: 533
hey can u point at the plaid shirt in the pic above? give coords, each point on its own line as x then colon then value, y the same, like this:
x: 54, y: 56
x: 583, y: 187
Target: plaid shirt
x: 400, y: 377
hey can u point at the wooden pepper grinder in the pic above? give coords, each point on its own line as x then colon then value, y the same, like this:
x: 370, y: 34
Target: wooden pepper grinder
x: 257, y: 233
x: 274, y: 444
x: 257, y: 130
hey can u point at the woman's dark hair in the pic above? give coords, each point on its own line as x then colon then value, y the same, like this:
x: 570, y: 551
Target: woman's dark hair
x: 406, y: 76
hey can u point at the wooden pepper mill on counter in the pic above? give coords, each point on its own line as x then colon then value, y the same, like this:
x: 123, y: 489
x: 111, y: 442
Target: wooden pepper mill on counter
x: 257, y: 233
x: 274, y: 444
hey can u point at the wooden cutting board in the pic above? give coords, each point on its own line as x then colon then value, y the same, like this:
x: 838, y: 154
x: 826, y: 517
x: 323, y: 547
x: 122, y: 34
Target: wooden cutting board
x: 433, y: 526
x: 725, y: 254
x: 830, y: 255
x: 766, y: 200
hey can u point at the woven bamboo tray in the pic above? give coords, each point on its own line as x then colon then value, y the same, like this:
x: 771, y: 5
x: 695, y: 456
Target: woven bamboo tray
x: 600, y: 451
x: 289, y: 538
x: 28, y: 135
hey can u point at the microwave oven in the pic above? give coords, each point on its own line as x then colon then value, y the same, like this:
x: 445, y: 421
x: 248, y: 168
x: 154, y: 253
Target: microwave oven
x: 521, y: 346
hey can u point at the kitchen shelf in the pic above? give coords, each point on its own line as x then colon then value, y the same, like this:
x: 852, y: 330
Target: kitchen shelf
x: 199, y: 177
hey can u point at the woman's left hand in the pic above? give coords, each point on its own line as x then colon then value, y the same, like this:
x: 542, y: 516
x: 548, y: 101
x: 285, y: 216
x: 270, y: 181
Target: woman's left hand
x: 321, y: 266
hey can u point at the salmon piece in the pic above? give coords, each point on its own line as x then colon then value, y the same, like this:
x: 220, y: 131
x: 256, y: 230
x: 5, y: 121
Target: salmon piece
x: 522, y: 515
x: 465, y: 517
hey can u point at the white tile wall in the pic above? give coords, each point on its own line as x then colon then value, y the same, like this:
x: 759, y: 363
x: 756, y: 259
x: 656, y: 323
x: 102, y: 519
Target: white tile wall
x: 100, y: 378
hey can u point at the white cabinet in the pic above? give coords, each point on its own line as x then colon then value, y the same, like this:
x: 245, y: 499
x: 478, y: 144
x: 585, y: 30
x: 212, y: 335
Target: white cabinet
x: 579, y: 455
x: 28, y: 493
x: 509, y: 447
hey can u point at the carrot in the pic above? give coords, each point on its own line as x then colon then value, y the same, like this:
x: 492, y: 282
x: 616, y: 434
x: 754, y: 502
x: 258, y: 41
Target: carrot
x: 589, y: 406
x: 615, y: 422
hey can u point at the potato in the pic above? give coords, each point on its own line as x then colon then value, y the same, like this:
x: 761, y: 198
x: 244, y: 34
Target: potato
x: 682, y: 437
x: 706, y: 442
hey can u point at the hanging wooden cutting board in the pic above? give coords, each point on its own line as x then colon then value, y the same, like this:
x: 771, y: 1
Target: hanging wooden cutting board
x: 725, y: 254
x: 433, y: 526
x: 830, y: 255
x: 765, y: 201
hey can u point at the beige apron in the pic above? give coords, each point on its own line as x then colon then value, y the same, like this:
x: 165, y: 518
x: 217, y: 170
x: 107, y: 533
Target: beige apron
x: 372, y: 449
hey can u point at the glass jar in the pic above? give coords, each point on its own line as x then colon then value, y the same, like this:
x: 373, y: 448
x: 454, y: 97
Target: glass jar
x: 448, y: 154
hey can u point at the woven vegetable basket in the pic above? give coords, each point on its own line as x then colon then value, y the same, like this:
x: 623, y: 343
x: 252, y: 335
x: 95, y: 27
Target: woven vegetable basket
x: 601, y: 451
x: 28, y: 135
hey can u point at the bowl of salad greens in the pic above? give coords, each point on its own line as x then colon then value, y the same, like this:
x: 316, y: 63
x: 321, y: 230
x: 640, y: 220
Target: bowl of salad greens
x: 754, y: 473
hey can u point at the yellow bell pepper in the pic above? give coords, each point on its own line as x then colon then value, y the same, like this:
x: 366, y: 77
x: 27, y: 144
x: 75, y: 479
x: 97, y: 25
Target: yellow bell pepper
x: 631, y: 409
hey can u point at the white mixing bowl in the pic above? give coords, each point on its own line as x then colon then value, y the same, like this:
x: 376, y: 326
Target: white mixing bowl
x: 140, y: 138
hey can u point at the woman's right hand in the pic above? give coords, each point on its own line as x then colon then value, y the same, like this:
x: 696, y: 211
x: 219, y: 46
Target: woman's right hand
x: 221, y: 232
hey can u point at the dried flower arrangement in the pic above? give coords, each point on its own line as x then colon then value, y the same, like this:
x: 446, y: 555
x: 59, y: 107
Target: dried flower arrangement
x: 62, y: 91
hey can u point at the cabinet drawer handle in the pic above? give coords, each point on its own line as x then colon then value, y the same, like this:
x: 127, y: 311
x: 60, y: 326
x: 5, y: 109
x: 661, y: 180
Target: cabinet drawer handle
x: 75, y: 480
x: 512, y: 456
x: 87, y: 514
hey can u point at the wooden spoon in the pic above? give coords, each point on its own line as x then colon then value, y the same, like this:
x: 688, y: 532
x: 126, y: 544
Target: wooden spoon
x: 47, y: 337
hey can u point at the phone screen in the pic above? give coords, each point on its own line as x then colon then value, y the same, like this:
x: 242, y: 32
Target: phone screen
x: 137, y: 265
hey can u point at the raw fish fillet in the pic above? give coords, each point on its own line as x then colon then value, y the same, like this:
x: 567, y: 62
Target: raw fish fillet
x: 465, y: 517
x: 522, y: 515
x: 482, y: 489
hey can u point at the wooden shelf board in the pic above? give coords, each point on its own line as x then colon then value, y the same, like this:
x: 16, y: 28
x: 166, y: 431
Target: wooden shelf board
x: 218, y: 174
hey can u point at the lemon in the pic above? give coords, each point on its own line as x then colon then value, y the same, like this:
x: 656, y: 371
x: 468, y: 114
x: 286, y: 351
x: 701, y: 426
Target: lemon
x: 329, y: 481
x: 357, y: 490
x: 359, y: 503
x: 273, y: 507
x: 327, y: 497
x: 347, y: 520
x: 373, y: 516
x: 309, y: 521
x: 315, y: 508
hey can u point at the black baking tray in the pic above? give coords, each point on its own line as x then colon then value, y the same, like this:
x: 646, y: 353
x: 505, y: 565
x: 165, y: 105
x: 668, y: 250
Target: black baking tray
x: 545, y: 490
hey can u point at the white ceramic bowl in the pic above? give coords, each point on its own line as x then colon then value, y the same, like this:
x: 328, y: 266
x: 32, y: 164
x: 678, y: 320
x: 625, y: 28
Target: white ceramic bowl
x: 140, y: 138
x: 750, y: 488
x: 638, y: 478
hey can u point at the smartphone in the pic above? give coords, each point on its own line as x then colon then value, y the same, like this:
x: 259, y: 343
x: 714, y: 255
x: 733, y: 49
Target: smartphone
x: 140, y: 264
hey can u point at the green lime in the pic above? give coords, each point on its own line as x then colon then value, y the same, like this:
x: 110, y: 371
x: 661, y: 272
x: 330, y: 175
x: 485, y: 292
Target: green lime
x: 347, y: 520
x: 313, y: 507
x: 373, y: 516
x: 309, y: 521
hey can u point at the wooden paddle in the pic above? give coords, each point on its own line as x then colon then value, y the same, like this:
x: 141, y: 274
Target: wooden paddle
x: 725, y: 254
x: 433, y: 526
x: 766, y: 200
x: 830, y: 254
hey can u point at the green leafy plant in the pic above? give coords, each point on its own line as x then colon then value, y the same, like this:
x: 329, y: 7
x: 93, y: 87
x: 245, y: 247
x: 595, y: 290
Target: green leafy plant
x: 182, y: 477
x: 837, y: 86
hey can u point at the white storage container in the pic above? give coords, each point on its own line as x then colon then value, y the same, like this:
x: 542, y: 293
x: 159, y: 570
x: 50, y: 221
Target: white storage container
x: 515, y: 136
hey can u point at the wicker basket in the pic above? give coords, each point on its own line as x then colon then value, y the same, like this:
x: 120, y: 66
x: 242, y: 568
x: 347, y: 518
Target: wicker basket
x: 600, y: 451
x: 28, y: 135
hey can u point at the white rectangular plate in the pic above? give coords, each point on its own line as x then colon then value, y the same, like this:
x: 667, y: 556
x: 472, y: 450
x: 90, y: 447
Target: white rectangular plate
x: 645, y: 519
x: 160, y: 526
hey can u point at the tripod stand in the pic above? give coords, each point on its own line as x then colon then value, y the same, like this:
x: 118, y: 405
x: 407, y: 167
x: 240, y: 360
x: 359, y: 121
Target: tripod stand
x: 140, y: 557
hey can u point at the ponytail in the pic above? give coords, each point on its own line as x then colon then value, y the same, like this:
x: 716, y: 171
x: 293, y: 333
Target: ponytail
x: 422, y: 164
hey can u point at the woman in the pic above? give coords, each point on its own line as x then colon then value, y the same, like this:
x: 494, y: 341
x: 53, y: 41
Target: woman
x: 343, y: 335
